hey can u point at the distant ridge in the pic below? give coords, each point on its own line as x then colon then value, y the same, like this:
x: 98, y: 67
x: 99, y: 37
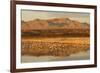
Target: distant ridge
x: 56, y: 23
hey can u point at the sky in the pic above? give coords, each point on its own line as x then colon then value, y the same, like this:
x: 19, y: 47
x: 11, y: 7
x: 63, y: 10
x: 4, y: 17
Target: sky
x: 27, y: 15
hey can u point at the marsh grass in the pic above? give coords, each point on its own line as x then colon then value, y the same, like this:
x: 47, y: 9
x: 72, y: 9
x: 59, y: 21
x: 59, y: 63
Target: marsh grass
x: 61, y: 46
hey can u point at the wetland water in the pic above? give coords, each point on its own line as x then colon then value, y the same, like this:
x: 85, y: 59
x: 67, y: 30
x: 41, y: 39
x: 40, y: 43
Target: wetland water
x: 78, y: 56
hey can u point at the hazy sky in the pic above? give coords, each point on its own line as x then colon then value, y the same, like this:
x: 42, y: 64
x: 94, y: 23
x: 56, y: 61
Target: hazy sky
x: 28, y: 15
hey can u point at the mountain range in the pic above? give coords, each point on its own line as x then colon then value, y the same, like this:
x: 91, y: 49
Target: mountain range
x: 55, y: 27
x: 55, y: 23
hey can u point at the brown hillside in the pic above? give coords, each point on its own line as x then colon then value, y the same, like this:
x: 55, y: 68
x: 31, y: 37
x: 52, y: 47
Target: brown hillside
x: 56, y: 23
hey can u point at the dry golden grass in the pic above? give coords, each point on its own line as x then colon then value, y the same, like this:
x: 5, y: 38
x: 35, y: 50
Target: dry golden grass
x: 54, y: 46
